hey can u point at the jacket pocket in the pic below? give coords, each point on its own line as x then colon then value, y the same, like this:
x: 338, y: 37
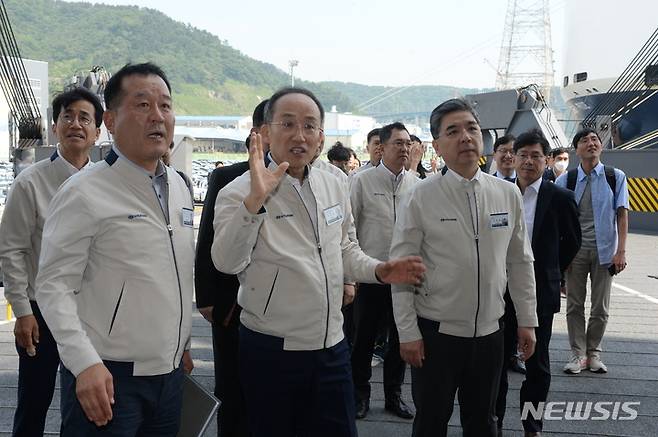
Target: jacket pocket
x: 269, y: 297
x: 116, y: 308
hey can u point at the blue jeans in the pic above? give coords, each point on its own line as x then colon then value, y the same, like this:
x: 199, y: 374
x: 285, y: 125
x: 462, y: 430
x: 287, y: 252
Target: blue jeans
x: 144, y: 405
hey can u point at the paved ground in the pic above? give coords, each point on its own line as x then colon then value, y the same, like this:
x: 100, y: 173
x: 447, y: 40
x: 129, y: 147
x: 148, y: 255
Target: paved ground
x: 631, y: 347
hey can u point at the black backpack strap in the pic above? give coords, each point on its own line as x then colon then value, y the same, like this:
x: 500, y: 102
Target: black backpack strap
x: 572, y: 175
x: 611, y: 178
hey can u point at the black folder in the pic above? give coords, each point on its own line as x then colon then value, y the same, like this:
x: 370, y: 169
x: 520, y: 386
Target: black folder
x: 199, y: 407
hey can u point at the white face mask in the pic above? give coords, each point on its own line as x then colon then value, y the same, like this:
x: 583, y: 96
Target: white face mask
x: 561, y: 166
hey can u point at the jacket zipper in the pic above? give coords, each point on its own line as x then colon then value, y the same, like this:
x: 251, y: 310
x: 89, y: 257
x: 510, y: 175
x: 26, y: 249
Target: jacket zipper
x: 476, y: 230
x: 170, y: 232
x: 324, y: 270
x: 116, y: 308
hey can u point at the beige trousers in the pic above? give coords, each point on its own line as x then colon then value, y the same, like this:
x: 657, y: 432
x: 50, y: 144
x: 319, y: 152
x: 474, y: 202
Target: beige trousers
x: 587, y: 342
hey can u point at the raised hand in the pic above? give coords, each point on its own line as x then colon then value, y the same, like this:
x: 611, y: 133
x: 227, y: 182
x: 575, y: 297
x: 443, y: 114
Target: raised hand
x: 263, y: 181
x: 405, y: 270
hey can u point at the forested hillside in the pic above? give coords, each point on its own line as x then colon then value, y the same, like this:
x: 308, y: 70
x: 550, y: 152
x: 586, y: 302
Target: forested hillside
x: 208, y: 76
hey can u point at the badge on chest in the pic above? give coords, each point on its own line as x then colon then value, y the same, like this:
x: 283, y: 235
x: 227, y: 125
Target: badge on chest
x: 499, y: 220
x: 333, y: 214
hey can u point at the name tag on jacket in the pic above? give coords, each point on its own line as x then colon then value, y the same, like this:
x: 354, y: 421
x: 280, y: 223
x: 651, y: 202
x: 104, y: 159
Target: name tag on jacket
x: 188, y: 217
x: 333, y: 214
x: 499, y: 220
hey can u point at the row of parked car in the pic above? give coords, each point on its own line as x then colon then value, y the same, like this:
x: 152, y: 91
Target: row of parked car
x: 201, y: 169
x: 6, y: 179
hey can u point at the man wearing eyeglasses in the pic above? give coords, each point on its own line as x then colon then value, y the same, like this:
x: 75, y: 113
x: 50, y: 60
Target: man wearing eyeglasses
x: 77, y: 116
x: 376, y: 196
x: 283, y: 228
x: 504, y: 158
x: 551, y: 218
x: 468, y: 228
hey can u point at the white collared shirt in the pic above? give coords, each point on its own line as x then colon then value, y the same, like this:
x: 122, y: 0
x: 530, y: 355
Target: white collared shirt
x: 70, y: 166
x: 530, y: 196
x: 395, y: 179
x: 303, y: 188
x: 502, y: 176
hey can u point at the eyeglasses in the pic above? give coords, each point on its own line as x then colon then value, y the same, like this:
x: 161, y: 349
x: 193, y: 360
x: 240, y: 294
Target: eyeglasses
x: 308, y: 129
x: 82, y: 119
x: 534, y: 157
x: 504, y: 152
x: 402, y: 144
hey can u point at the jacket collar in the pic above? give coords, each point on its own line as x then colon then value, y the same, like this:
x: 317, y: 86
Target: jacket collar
x: 133, y: 173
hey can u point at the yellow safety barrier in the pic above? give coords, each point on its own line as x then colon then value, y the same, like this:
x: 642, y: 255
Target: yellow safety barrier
x: 643, y: 194
x: 9, y: 314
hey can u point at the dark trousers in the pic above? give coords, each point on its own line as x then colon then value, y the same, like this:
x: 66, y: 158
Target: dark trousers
x: 348, y: 323
x: 470, y: 365
x: 232, y: 413
x: 144, y: 406
x: 537, y: 379
x: 510, y: 328
x: 538, y: 372
x: 373, y: 307
x: 36, y: 381
x: 296, y: 393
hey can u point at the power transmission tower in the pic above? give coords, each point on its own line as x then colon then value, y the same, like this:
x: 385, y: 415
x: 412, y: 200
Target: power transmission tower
x: 526, y: 55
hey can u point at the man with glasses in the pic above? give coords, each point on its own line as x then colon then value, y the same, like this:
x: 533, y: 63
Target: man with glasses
x: 469, y: 230
x: 551, y: 218
x: 602, y: 196
x: 77, y: 116
x: 504, y: 158
x: 376, y: 195
x: 283, y: 228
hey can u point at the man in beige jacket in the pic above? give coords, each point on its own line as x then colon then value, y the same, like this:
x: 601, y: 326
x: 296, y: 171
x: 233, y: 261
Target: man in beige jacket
x: 469, y: 229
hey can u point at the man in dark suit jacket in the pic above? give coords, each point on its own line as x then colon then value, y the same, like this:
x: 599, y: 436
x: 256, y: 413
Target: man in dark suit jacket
x: 216, y: 299
x: 552, y: 220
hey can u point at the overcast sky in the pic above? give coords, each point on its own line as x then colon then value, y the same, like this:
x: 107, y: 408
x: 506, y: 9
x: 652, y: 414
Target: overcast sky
x: 383, y: 42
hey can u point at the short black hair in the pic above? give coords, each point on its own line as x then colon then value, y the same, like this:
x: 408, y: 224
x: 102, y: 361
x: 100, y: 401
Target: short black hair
x: 270, y: 106
x: 583, y: 133
x: 503, y: 140
x: 113, y: 88
x: 67, y: 98
x: 386, y: 132
x: 415, y: 139
x: 445, y: 108
x: 531, y: 137
x: 258, y: 116
x: 558, y: 151
x: 372, y: 133
x: 338, y: 152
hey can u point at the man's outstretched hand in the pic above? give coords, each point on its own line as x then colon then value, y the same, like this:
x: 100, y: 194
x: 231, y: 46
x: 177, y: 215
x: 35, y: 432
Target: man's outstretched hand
x: 405, y: 270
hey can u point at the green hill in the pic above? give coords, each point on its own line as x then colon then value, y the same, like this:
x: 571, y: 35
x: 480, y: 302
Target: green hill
x: 208, y: 76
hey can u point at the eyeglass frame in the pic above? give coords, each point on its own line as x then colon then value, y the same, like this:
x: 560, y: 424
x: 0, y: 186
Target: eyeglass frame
x: 295, y: 126
x: 69, y: 119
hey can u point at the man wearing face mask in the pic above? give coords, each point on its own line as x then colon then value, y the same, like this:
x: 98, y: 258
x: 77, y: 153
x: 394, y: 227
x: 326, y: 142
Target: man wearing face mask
x: 558, y: 161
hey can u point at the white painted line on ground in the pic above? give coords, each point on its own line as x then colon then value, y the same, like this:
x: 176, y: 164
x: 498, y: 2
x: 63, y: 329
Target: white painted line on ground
x: 6, y: 322
x: 635, y: 292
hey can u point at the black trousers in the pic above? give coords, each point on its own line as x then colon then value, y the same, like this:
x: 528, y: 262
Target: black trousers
x: 470, y: 365
x: 510, y: 328
x: 537, y: 379
x: 232, y: 413
x: 372, y: 308
x: 538, y: 372
x: 307, y: 393
x: 36, y: 381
